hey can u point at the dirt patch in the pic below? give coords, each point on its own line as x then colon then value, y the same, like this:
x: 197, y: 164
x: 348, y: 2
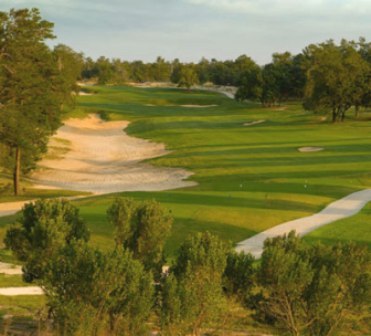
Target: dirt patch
x: 102, y: 158
x: 310, y: 149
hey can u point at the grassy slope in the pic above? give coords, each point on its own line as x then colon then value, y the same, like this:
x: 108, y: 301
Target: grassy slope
x: 250, y: 178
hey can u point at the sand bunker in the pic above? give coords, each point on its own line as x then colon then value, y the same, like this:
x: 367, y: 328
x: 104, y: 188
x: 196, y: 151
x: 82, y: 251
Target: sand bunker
x: 253, y: 122
x: 310, y: 149
x: 103, y: 159
x: 14, y: 291
x: 10, y: 269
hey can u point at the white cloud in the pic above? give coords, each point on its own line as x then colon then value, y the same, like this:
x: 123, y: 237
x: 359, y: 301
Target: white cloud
x: 288, y: 7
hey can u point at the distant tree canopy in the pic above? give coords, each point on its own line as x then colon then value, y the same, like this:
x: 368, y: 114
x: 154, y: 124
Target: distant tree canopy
x: 338, y: 77
x: 35, y: 82
x: 327, y: 77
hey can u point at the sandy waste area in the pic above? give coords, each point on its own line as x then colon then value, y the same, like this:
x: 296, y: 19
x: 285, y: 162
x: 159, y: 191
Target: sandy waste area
x: 98, y: 156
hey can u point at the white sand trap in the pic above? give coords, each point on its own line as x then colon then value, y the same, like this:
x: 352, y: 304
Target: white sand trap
x: 345, y: 207
x: 254, y: 122
x: 104, y: 159
x: 14, y: 291
x: 10, y: 269
x: 310, y: 149
x: 82, y: 93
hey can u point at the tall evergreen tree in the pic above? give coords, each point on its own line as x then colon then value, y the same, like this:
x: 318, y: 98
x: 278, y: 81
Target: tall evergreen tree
x: 31, y: 88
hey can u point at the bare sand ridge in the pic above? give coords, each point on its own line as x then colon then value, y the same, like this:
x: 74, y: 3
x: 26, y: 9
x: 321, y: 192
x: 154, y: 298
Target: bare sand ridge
x: 102, y: 158
x: 342, y: 208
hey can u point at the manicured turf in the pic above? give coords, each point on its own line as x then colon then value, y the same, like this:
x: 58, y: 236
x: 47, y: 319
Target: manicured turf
x: 249, y: 178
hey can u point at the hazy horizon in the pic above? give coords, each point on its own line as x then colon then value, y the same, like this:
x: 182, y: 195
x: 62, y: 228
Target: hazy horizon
x: 192, y: 29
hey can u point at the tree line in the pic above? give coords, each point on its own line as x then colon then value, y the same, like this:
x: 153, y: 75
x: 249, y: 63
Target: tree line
x: 324, y: 76
x: 298, y: 289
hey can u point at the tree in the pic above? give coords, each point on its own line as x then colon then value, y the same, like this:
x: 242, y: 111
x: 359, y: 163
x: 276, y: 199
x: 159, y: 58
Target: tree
x: 337, y: 79
x: 70, y: 65
x: 105, y: 70
x: 311, y: 289
x: 188, y: 77
x: 251, y: 85
x: 239, y: 275
x: 192, y: 295
x: 143, y: 228
x: 43, y: 228
x: 123, y: 290
x: 99, y: 293
x: 161, y: 70
x: 30, y: 88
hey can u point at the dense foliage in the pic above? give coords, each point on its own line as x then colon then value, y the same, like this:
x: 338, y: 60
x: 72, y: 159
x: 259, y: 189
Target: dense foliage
x: 299, y: 289
x: 35, y: 82
x: 43, y: 228
x: 326, y: 76
x: 141, y: 227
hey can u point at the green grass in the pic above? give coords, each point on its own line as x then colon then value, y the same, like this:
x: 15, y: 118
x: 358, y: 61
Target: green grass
x: 249, y: 178
x: 12, y: 281
x: 21, y: 305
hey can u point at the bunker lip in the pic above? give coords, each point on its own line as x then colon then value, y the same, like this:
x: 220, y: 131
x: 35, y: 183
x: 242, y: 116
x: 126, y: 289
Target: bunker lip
x: 102, y: 158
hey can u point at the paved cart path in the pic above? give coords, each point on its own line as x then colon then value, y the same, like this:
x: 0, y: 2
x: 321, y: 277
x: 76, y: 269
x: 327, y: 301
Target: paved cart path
x: 342, y: 208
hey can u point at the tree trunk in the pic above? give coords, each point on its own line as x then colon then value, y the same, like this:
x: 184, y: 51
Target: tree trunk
x: 334, y: 114
x: 17, y: 171
x: 356, y: 111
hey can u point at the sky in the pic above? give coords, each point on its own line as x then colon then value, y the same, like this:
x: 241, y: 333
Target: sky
x: 192, y: 29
